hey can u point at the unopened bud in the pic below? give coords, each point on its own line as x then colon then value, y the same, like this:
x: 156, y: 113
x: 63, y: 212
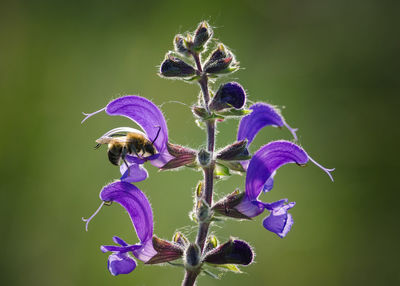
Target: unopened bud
x: 199, y: 189
x: 228, y: 95
x: 192, y: 257
x: 180, y: 45
x: 175, y: 67
x: 180, y: 239
x: 211, y: 243
x: 220, y: 61
x: 235, y: 152
x: 204, y: 157
x: 226, y: 206
x: 234, y: 251
x: 202, y: 35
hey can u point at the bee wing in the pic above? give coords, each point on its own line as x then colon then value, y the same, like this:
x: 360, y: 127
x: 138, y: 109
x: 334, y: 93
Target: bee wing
x: 123, y: 130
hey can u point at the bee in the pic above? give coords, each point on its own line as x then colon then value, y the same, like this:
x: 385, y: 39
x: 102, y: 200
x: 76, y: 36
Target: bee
x: 134, y: 143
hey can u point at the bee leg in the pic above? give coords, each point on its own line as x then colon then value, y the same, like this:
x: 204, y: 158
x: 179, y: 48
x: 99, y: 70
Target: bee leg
x: 136, y: 153
x: 158, y: 133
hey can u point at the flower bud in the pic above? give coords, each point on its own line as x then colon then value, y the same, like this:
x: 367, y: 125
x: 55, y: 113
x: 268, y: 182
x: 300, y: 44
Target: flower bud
x: 192, y: 257
x: 180, y: 45
x: 204, y: 157
x: 166, y: 251
x: 220, y: 61
x: 226, y: 206
x: 175, y: 67
x: 180, y: 239
x: 235, y: 152
x: 199, y: 189
x: 211, y: 243
x: 234, y: 251
x: 202, y: 35
x: 228, y: 95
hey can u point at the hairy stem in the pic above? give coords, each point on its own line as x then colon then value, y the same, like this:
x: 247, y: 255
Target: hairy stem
x: 190, y: 276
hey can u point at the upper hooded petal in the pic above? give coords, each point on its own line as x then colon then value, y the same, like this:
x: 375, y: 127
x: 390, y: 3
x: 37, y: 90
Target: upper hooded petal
x: 267, y: 160
x: 135, y: 203
x: 262, y: 115
x: 145, y: 113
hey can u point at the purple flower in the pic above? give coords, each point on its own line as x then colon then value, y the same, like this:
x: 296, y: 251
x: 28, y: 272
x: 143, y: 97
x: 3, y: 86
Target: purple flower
x: 262, y: 115
x: 262, y: 167
x: 139, y: 210
x: 150, y: 118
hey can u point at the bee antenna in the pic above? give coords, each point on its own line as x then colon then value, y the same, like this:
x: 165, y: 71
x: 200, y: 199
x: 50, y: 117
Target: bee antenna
x: 97, y: 146
x: 158, y: 133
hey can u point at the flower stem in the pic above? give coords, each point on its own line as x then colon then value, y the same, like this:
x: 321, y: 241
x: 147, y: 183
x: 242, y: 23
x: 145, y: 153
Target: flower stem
x: 190, y: 276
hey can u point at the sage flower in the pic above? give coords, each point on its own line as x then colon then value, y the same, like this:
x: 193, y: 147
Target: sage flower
x: 150, y: 118
x: 262, y: 167
x: 138, y: 207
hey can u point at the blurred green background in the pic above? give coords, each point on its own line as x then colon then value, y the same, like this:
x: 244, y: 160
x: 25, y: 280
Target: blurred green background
x: 333, y: 65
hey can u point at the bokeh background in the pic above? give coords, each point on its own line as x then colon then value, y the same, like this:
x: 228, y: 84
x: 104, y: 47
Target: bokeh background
x: 332, y: 66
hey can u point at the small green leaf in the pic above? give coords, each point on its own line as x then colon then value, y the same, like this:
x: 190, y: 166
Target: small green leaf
x: 213, y: 275
x: 221, y: 171
x: 234, y: 112
x: 227, y: 267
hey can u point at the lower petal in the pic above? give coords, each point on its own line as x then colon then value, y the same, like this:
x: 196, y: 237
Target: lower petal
x: 135, y: 173
x: 279, y: 221
x: 120, y: 264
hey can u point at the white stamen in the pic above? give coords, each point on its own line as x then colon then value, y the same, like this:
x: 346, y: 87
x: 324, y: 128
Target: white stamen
x: 87, y: 220
x: 88, y: 115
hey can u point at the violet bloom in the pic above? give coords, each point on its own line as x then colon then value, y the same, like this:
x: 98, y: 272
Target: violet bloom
x: 260, y: 171
x: 139, y: 210
x: 150, y: 118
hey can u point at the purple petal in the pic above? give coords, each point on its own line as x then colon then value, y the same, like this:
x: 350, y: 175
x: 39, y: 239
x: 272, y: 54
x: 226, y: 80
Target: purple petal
x: 135, y: 173
x: 120, y: 264
x: 145, y: 252
x: 269, y: 184
x: 250, y: 208
x: 267, y: 160
x: 135, y: 203
x: 162, y: 159
x: 145, y: 113
x: 120, y: 241
x: 263, y: 115
x: 279, y: 221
